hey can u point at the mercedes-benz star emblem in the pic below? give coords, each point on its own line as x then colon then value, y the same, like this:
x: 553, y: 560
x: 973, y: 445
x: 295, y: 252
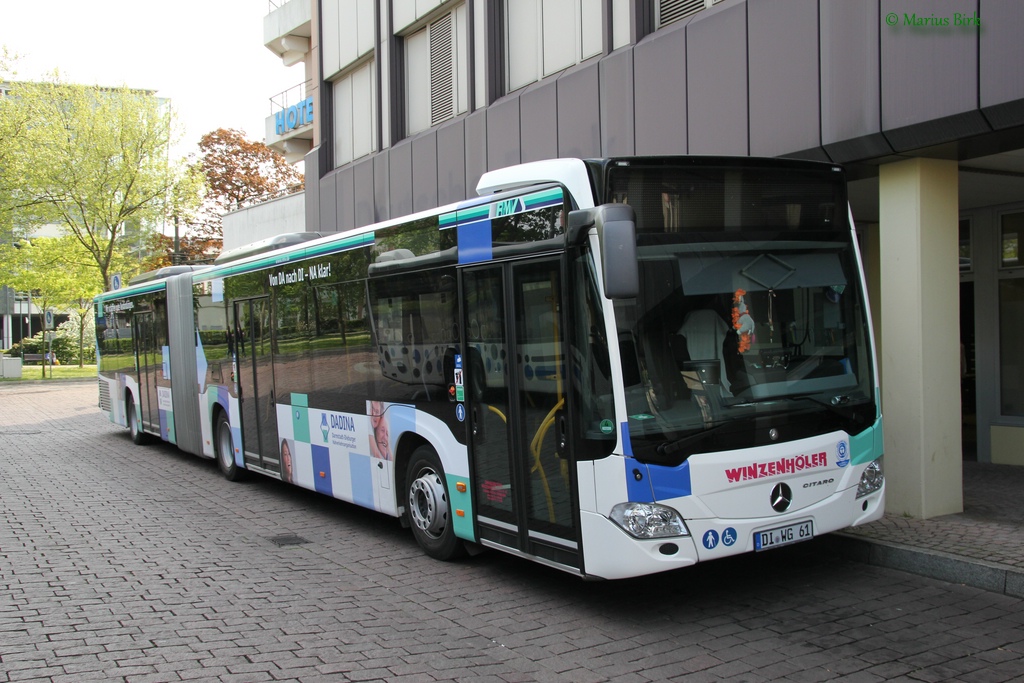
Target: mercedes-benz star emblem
x: 781, y: 497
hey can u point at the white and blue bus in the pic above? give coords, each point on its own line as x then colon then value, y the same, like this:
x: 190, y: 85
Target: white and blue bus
x: 613, y: 367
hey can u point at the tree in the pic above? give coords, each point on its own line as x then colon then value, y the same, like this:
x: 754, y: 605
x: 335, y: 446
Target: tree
x: 240, y: 173
x: 60, y: 273
x: 95, y: 161
x: 13, y: 123
x: 187, y: 213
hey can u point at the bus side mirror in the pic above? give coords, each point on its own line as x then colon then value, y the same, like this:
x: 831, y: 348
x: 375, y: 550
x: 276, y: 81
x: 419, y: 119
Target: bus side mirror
x: 616, y: 233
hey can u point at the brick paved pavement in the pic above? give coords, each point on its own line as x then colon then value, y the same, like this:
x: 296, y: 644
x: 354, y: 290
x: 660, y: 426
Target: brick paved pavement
x: 982, y: 547
x: 143, y: 564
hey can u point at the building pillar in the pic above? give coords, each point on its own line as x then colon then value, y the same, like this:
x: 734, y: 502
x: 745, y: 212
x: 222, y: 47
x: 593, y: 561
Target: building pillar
x: 920, y: 360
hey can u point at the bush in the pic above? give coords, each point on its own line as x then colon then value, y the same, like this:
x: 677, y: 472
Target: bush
x: 65, y: 350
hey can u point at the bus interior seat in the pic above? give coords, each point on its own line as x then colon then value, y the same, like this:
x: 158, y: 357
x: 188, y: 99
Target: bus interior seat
x: 663, y: 371
x: 705, y: 333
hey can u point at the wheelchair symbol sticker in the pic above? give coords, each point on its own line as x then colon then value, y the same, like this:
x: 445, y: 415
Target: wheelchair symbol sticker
x: 729, y: 536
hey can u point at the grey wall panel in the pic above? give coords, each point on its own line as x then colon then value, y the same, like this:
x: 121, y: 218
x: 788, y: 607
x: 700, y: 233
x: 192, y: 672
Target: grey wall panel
x: 579, y: 111
x: 716, y: 81
x: 451, y: 162
x: 476, y: 149
x: 400, y: 178
x: 424, y: 171
x: 346, y: 215
x: 329, y: 204
x: 782, y: 40
x: 312, y: 163
x: 851, y: 115
x: 1001, y: 57
x: 382, y: 186
x: 929, y: 76
x: 538, y: 106
x: 503, y: 133
x: 616, y: 104
x: 659, y: 86
x: 362, y: 182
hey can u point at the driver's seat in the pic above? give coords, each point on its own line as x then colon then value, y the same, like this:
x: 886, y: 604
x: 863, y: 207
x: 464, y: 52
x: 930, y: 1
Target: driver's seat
x: 705, y: 333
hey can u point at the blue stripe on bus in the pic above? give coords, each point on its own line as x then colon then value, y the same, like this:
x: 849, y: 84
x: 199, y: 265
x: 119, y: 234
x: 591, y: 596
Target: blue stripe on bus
x: 475, y: 242
x: 638, y: 490
x: 401, y: 419
x: 361, y: 471
x: 670, y: 482
x: 322, y: 470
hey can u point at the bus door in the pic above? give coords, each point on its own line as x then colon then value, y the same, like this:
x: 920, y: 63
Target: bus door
x: 150, y: 362
x: 515, y: 381
x: 256, y: 383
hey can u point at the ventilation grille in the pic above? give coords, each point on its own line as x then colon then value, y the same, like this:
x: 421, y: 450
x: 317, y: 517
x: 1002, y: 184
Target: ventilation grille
x: 670, y: 11
x: 105, y: 403
x: 442, y: 71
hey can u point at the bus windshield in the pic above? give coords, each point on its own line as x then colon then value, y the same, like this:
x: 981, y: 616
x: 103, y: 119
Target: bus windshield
x: 750, y: 326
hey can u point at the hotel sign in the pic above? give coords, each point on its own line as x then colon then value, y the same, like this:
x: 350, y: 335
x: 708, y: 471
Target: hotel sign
x: 294, y: 116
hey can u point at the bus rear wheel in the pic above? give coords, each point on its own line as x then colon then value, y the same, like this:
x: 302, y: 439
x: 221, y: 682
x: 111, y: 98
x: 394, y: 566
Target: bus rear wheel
x: 226, y: 450
x: 134, y: 428
x: 427, y: 506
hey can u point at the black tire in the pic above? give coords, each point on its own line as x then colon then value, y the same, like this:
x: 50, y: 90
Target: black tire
x: 134, y: 426
x: 427, y: 506
x: 225, y: 449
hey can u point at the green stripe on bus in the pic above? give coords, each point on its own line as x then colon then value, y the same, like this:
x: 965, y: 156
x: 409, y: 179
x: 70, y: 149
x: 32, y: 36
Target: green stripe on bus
x: 273, y: 259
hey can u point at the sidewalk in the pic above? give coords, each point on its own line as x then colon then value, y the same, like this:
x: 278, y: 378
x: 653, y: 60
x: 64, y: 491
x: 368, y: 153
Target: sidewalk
x: 981, y: 547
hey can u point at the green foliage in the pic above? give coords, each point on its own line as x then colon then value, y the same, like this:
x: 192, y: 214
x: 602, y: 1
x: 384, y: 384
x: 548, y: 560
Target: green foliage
x: 93, y: 160
x: 65, y: 349
x: 80, y: 330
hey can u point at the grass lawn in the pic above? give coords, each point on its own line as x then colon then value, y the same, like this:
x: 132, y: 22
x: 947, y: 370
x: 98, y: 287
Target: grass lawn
x: 55, y: 372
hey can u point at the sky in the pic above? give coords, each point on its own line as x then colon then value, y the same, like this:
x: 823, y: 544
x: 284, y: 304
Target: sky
x: 207, y: 56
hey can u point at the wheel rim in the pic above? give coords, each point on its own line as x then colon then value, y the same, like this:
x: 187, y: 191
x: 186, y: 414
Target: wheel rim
x: 225, y: 450
x: 428, y: 505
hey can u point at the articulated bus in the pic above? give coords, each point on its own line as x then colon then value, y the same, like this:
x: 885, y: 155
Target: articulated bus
x: 612, y: 367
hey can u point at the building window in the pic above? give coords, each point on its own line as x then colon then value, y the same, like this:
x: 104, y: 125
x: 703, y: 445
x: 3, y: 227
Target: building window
x: 1011, y: 316
x: 436, y: 71
x: 966, y: 260
x: 544, y: 37
x: 355, y: 120
x: 1011, y: 232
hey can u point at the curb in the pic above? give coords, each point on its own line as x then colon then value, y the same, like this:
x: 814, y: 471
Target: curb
x: 15, y: 382
x: 988, y: 576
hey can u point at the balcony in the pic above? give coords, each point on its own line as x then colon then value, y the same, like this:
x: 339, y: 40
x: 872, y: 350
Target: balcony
x: 287, y: 29
x: 289, y: 128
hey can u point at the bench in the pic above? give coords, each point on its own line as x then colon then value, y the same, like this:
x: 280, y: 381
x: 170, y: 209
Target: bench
x: 32, y: 358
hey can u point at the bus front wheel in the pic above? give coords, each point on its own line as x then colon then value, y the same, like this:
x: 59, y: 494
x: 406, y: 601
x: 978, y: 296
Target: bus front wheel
x: 226, y: 450
x: 427, y: 506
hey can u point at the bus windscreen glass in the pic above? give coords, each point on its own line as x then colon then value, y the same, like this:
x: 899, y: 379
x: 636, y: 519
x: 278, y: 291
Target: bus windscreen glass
x: 750, y: 325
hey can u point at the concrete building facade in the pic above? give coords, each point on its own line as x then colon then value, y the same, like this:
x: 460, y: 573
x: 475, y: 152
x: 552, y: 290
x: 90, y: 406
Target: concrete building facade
x: 922, y: 102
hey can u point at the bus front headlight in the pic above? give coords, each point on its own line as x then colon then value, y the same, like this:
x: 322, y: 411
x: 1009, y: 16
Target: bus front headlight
x: 649, y: 520
x: 871, y: 480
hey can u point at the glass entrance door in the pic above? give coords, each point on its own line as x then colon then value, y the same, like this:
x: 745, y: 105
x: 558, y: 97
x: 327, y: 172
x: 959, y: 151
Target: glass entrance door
x: 150, y: 363
x: 515, y: 375
x: 256, y: 383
